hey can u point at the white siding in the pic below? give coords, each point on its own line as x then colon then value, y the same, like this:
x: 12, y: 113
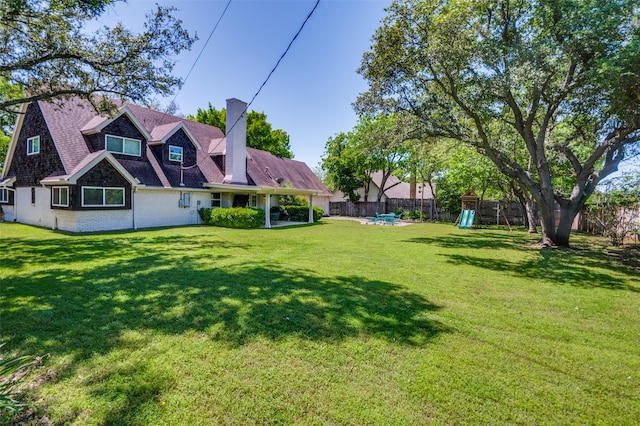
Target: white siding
x: 9, y: 214
x: 150, y: 208
x: 155, y: 208
x: 38, y: 213
x: 322, y: 201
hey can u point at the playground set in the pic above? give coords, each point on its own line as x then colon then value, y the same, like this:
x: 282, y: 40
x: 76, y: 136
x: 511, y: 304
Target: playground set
x: 467, y: 218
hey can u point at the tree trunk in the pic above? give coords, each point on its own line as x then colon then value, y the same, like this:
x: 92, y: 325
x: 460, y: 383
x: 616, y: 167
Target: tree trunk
x: 528, y: 210
x: 530, y: 215
x: 547, y: 222
x: 564, y: 230
x: 434, y: 203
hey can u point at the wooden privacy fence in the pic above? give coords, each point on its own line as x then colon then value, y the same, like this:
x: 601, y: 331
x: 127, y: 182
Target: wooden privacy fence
x: 431, y: 210
x: 625, y: 218
x: 489, y: 212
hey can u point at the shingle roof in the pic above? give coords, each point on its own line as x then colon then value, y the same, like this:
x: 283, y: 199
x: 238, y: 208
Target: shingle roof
x: 265, y: 169
x: 399, y: 189
x: 64, y: 123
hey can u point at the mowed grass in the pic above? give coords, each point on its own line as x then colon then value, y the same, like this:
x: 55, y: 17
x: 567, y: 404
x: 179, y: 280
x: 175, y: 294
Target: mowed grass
x: 331, y: 324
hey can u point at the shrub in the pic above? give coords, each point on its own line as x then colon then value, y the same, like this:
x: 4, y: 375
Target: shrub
x: 234, y: 217
x: 318, y: 212
x: 293, y: 200
x: 413, y: 215
x: 205, y: 214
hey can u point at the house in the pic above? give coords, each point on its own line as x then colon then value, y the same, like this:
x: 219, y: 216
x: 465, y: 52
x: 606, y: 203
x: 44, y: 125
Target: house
x: 395, y: 188
x: 68, y: 168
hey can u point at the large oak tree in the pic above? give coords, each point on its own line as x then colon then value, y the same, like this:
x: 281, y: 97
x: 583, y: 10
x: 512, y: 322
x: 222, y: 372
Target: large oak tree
x: 558, y: 80
x: 48, y: 52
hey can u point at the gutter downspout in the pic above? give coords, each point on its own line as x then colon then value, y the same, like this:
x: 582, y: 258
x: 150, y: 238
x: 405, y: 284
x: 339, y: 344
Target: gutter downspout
x: 267, y: 211
x: 133, y: 206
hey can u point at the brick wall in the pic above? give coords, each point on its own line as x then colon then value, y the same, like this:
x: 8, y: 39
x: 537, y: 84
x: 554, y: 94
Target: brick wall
x: 160, y: 208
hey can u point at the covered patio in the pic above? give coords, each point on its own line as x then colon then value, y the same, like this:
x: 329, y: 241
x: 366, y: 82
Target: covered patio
x: 264, y: 195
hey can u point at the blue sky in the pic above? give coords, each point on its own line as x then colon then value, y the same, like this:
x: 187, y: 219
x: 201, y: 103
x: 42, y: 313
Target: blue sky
x: 310, y: 94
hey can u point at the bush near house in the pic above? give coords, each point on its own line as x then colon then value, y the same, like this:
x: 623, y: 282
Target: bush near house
x: 318, y: 212
x: 233, y: 217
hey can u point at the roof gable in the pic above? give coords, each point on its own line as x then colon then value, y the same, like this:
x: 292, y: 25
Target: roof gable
x: 89, y: 162
x: 163, y: 132
x: 98, y: 123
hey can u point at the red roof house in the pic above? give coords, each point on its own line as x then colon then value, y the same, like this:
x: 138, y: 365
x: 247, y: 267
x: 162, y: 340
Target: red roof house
x: 68, y: 168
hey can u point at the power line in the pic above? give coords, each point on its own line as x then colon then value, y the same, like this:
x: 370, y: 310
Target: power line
x: 276, y: 65
x: 202, y: 50
x: 285, y: 52
x: 270, y: 73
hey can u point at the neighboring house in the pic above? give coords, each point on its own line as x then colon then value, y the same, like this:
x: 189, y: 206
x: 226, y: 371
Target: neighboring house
x: 395, y: 189
x: 68, y: 168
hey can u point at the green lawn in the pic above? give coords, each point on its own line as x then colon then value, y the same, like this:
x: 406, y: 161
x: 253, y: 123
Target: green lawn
x: 335, y: 323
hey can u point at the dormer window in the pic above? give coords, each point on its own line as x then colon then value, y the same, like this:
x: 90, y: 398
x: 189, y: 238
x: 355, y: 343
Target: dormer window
x: 33, y: 145
x: 120, y: 145
x: 175, y: 153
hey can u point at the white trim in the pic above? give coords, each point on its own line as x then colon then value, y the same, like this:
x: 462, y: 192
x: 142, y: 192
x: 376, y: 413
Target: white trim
x: 181, y: 153
x: 53, y: 189
x: 123, y: 111
x: 31, y: 139
x: 14, y: 139
x: 104, y: 196
x: 174, y: 189
x: 79, y: 172
x: 178, y: 126
x: 250, y: 189
x: 217, y: 199
x: 4, y: 191
x: 124, y: 139
x: 9, y: 182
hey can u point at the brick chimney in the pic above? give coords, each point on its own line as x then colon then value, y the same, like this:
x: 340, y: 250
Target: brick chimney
x: 236, y: 148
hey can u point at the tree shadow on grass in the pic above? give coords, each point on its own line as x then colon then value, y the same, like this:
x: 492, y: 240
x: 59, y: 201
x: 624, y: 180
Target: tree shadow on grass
x: 473, y: 239
x: 572, y: 268
x: 96, y: 290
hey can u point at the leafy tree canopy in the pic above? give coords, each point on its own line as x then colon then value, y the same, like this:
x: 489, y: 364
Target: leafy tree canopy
x: 4, y: 146
x: 547, y: 90
x: 260, y: 134
x: 47, y: 53
x: 376, y: 143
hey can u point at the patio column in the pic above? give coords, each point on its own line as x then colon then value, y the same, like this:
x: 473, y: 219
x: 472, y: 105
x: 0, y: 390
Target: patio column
x: 267, y: 211
x: 310, y: 208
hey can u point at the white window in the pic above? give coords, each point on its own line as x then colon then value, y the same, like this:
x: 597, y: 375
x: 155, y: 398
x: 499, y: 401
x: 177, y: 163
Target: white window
x: 175, y: 153
x: 4, y: 195
x: 216, y: 199
x: 121, y: 145
x: 60, y: 196
x: 33, y: 145
x: 93, y: 196
x: 253, y: 201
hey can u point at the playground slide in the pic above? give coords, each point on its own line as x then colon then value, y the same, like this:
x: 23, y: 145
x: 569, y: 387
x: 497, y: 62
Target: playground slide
x: 463, y: 218
x: 467, y: 218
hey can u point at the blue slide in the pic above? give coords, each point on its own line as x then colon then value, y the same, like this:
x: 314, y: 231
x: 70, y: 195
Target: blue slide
x: 467, y: 219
